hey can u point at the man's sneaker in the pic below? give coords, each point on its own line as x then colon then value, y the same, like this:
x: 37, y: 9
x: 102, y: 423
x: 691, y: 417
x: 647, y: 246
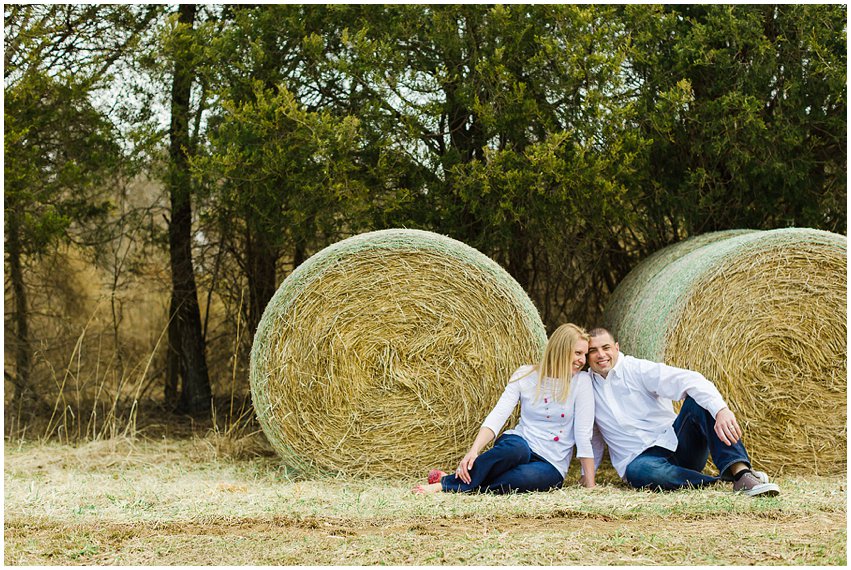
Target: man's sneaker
x: 752, y: 485
x: 761, y: 475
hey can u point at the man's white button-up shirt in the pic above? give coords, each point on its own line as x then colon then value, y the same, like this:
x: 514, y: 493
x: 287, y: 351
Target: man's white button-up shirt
x: 633, y: 406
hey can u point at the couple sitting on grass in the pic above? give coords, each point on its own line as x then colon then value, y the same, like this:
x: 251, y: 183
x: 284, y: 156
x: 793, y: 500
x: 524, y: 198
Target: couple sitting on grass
x: 629, y: 399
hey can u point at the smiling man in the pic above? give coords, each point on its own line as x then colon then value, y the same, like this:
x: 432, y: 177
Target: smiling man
x: 650, y: 445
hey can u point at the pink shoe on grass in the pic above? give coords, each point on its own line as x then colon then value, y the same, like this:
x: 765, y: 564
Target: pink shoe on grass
x: 435, y: 475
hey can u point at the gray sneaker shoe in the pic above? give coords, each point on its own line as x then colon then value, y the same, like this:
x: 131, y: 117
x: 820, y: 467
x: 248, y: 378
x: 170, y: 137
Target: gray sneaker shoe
x: 752, y: 484
x: 762, y: 476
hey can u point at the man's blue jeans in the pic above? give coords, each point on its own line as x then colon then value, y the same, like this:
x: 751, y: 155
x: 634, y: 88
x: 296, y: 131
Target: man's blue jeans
x: 660, y: 468
x: 510, y: 465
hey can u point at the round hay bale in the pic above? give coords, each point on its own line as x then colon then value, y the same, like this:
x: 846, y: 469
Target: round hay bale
x: 763, y: 315
x: 647, y: 336
x: 383, y: 353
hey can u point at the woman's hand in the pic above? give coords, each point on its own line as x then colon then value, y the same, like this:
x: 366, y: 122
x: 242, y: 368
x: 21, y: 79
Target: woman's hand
x: 463, y: 471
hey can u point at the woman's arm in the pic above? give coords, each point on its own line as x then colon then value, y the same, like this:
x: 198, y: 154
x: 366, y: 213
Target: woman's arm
x: 493, y: 423
x: 506, y: 403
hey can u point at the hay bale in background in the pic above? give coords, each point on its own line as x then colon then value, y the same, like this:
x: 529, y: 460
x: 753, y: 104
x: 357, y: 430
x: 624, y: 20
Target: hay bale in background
x: 383, y: 353
x: 637, y: 294
x: 763, y: 315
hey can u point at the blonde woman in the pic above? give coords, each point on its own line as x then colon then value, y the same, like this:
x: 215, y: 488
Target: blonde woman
x: 556, y: 411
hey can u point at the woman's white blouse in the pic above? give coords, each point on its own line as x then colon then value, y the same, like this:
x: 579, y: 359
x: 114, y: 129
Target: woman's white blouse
x: 551, y: 428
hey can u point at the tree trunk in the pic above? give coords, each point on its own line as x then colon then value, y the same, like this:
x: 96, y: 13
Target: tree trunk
x: 262, y: 258
x: 24, y: 397
x: 185, y: 318
x: 466, y: 135
x: 517, y: 262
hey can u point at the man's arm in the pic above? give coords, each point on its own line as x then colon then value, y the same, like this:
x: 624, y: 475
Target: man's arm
x: 599, y: 446
x: 676, y: 383
x: 585, y: 465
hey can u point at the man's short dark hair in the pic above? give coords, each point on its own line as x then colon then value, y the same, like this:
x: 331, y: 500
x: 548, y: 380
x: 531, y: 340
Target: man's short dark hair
x: 600, y: 331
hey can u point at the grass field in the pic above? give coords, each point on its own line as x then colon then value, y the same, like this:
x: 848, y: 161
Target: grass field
x: 204, y: 501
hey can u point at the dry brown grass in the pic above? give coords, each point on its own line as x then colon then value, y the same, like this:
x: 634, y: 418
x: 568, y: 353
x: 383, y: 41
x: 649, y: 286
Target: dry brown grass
x: 385, y: 346
x: 98, y: 338
x: 184, y: 502
x: 95, y: 348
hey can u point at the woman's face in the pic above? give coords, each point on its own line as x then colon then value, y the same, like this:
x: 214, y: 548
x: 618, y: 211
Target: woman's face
x: 580, y: 349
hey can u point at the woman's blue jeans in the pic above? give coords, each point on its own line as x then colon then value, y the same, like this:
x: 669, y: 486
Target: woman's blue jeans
x: 660, y: 468
x: 510, y: 465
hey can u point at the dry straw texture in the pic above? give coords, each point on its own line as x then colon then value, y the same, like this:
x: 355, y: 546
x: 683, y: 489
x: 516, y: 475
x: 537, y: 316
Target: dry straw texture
x: 382, y: 354
x: 763, y: 315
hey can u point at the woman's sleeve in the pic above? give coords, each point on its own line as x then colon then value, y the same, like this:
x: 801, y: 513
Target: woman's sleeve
x: 583, y: 419
x: 504, y: 406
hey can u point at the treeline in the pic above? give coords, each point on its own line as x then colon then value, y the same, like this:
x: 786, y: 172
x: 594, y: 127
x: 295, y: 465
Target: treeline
x: 565, y: 142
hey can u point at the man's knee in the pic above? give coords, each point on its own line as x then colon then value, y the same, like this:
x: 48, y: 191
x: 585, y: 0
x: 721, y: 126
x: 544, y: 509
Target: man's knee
x: 691, y: 406
x: 692, y: 413
x: 650, y: 472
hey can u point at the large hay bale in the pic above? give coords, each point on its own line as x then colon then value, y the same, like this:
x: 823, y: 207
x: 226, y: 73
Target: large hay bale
x: 383, y: 353
x: 763, y: 315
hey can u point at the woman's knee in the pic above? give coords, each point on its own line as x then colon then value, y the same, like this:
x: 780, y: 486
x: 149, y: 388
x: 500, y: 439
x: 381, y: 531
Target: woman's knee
x: 533, y: 476
x: 514, y: 448
x: 547, y: 481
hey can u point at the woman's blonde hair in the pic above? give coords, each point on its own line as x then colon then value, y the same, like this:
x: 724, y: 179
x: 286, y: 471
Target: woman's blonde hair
x: 557, y: 361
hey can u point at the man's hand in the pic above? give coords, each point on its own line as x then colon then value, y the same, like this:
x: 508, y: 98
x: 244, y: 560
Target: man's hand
x: 587, y: 482
x: 726, y: 427
x: 587, y: 479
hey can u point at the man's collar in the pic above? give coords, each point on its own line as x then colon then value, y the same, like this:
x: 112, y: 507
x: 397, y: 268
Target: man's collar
x: 617, y: 366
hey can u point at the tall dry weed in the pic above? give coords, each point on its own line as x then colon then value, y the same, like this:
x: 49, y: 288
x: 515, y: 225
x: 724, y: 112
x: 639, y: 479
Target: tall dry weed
x: 99, y: 354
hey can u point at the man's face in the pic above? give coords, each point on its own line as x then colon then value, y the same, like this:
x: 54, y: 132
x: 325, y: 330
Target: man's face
x: 602, y: 354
